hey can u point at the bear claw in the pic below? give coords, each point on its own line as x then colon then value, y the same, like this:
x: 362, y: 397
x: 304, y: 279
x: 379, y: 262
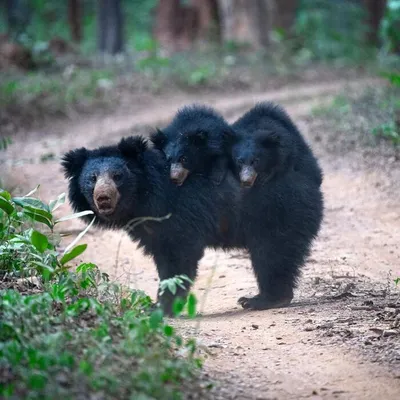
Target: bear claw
x: 262, y: 303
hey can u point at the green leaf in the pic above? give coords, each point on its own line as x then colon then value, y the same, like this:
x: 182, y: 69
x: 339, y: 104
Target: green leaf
x: 37, y: 381
x: 85, y: 267
x: 39, y: 218
x: 31, y: 202
x: 86, y: 368
x: 79, y: 237
x: 179, y: 341
x: 168, y: 330
x: 155, y: 319
x: 178, y: 306
x: 192, y: 302
x: 6, y: 206
x: 46, y: 268
x: 40, y: 241
x: 73, y: 216
x: 6, y: 195
x: 75, y: 252
x: 171, y: 284
x: 54, y: 204
x: 7, y: 390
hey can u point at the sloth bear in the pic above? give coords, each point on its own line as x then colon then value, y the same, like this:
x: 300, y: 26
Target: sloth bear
x: 276, y: 224
x: 271, y: 142
x: 194, y: 143
x: 129, y: 181
x: 281, y: 204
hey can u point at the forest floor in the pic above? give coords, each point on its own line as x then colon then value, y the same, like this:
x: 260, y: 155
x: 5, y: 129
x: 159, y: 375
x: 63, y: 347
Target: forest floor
x: 340, y: 338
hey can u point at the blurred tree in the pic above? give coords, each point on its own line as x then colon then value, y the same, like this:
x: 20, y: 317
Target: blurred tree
x: 179, y: 25
x: 284, y: 14
x: 376, y: 10
x: 390, y: 27
x: 110, y: 27
x: 18, y: 17
x: 208, y: 19
x: 246, y: 21
x: 74, y: 19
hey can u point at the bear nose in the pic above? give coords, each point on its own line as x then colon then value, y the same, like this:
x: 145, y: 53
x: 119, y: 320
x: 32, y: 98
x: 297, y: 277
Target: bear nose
x: 103, y: 199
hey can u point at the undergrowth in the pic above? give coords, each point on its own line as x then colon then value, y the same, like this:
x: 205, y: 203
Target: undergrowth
x: 69, y: 332
x: 55, y: 93
x: 372, y: 115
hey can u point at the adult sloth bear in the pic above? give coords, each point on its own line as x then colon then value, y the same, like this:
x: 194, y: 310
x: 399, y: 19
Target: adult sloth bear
x: 129, y: 181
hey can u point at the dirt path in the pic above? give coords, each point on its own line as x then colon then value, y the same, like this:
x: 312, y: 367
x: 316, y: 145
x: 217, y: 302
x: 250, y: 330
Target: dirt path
x: 318, y: 348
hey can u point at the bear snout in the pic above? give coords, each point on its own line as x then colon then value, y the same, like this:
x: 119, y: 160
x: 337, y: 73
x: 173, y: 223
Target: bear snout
x: 178, y: 173
x: 105, y: 195
x: 248, y: 176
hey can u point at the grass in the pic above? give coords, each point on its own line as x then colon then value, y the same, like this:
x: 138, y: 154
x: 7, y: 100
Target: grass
x: 57, y: 92
x: 69, y: 332
x: 372, y: 115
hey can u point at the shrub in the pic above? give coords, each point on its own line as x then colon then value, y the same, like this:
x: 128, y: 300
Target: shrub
x: 72, y: 334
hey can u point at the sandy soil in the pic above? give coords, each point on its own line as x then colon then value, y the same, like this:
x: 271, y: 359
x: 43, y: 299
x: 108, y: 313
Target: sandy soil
x: 340, y: 338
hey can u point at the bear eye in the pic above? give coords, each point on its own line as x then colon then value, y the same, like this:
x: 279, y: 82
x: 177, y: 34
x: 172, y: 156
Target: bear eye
x: 255, y: 161
x: 239, y: 161
x: 183, y: 159
x: 117, y: 176
x: 93, y: 178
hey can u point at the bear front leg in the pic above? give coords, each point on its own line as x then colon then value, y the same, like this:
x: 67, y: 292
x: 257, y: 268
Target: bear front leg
x: 170, y: 265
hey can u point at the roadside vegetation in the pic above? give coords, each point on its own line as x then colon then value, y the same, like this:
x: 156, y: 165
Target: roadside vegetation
x: 67, y: 331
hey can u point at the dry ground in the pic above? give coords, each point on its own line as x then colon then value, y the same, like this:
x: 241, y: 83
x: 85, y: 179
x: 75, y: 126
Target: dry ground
x: 340, y: 338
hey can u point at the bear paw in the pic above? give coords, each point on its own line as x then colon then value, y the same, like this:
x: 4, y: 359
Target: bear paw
x: 260, y: 302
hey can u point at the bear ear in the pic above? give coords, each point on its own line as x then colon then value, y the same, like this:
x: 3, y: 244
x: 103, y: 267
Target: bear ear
x: 158, y: 138
x: 231, y: 137
x: 198, y: 138
x: 73, y: 161
x: 133, y: 147
x: 268, y: 138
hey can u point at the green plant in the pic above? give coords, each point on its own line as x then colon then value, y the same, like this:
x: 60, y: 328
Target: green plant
x: 331, y: 29
x: 392, y: 77
x: 91, y: 345
x: 25, y: 249
x: 340, y: 104
x: 55, y: 93
x: 4, y: 143
x: 172, y: 285
x: 388, y: 131
x: 200, y: 75
x: 73, y: 332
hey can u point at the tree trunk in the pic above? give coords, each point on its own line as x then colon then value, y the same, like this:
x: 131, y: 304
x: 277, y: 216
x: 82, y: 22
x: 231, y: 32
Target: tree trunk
x: 208, y: 19
x: 177, y: 25
x: 74, y: 18
x: 18, y: 17
x: 376, y: 10
x: 110, y: 27
x: 246, y: 21
x: 285, y: 14
x: 165, y: 29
